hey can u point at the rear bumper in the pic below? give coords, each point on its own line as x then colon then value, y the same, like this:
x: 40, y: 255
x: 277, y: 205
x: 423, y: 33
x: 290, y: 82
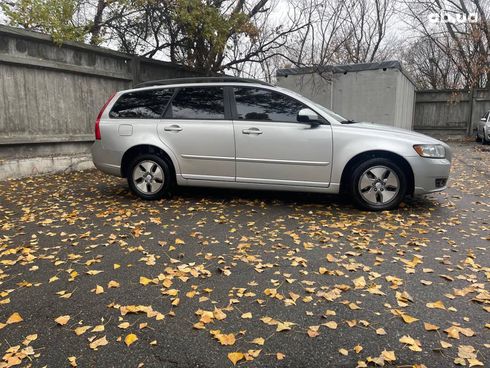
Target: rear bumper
x: 105, y: 160
x: 430, y: 175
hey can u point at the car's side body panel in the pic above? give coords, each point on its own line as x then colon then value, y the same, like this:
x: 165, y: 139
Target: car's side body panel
x: 205, y: 149
x: 351, y: 140
x: 284, y: 156
x: 283, y: 153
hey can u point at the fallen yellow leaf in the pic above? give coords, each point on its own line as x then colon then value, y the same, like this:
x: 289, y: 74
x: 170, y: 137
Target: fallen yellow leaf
x: 129, y: 339
x: 144, y: 280
x: 330, y: 324
x: 408, y: 319
x: 430, y: 327
x: 81, y: 330
x: 99, y: 342
x: 62, y: 320
x: 14, y: 318
x: 436, y: 305
x: 226, y: 339
x: 219, y: 314
x: 360, y: 282
x: 123, y: 325
x: 113, y: 284
x: 388, y: 355
x: 235, y: 357
x: 73, y: 361
x: 98, y: 328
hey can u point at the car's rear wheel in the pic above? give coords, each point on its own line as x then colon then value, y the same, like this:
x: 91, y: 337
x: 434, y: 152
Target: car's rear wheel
x: 149, y: 177
x: 378, y: 184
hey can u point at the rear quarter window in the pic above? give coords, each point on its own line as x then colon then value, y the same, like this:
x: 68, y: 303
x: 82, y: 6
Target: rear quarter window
x: 198, y: 103
x: 147, y: 104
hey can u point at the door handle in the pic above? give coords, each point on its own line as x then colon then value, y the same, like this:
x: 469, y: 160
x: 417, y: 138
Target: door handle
x: 255, y: 131
x: 173, y: 128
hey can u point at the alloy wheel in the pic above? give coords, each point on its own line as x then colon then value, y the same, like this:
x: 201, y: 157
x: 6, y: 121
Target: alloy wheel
x: 148, y: 177
x: 378, y: 185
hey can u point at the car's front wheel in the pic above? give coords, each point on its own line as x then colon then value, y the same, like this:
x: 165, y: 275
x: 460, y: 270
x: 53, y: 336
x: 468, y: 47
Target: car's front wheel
x: 378, y: 184
x: 149, y: 177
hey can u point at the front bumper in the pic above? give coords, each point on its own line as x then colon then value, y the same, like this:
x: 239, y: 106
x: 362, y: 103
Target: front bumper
x: 430, y: 175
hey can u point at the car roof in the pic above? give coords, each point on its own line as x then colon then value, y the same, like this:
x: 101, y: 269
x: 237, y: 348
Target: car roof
x: 199, y: 80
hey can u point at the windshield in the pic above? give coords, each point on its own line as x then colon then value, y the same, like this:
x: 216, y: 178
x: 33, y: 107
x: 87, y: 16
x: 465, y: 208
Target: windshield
x: 330, y: 113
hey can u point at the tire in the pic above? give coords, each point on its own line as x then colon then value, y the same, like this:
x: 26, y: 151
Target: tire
x: 478, y: 138
x: 378, y: 184
x: 149, y: 177
x: 484, y: 139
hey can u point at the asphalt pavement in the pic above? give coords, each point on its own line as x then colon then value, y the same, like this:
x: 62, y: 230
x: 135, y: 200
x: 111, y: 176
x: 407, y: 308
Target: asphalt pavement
x: 90, y: 276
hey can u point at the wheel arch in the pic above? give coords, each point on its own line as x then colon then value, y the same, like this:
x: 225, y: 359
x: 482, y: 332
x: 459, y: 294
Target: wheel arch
x: 141, y: 149
x: 363, y: 156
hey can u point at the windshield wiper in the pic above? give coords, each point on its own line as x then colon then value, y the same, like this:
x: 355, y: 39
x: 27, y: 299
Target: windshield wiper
x: 349, y: 121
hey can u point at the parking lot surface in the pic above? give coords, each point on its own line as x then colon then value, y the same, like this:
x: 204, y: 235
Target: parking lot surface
x: 90, y: 276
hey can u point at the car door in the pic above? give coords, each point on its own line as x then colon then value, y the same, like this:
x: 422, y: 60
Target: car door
x: 198, y: 129
x: 272, y: 146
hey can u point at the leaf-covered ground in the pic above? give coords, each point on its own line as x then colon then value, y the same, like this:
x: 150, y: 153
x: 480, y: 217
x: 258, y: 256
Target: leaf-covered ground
x: 92, y: 277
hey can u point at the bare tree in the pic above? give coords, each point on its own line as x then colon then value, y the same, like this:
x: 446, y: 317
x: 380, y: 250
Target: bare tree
x: 342, y: 31
x: 365, y: 30
x: 429, y: 66
x: 464, y: 41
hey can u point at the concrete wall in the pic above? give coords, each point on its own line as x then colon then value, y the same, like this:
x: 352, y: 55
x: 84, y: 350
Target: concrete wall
x: 50, y: 96
x: 366, y: 96
x: 380, y: 96
x: 314, y: 86
x: 405, y: 102
x: 452, y: 112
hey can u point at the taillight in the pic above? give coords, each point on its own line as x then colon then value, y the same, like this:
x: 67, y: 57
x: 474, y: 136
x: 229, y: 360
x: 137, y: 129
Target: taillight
x: 97, y: 121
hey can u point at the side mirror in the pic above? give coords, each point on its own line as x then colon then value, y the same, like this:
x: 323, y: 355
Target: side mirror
x: 308, y: 116
x: 482, y: 119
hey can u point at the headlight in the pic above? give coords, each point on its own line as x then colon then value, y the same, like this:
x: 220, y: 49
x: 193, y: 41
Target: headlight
x: 430, y: 150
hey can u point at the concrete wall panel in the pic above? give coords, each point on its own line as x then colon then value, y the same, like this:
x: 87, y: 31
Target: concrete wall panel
x: 383, y: 96
x: 50, y: 94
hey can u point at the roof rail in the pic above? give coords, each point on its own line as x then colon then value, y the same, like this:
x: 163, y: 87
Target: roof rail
x: 163, y: 82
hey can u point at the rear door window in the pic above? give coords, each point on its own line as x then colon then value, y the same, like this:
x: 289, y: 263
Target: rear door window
x: 264, y: 105
x: 198, y: 103
x: 146, y: 104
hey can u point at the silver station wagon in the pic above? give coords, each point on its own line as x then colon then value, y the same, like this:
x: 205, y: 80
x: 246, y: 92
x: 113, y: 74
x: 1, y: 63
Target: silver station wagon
x: 239, y: 133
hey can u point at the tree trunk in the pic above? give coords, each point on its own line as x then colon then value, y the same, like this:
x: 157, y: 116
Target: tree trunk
x: 97, y: 26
